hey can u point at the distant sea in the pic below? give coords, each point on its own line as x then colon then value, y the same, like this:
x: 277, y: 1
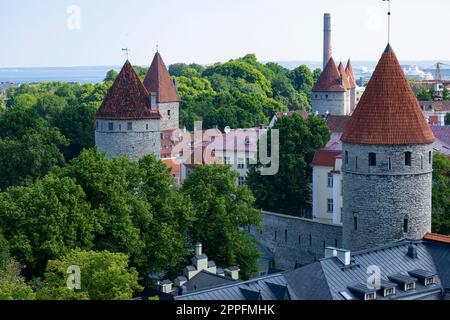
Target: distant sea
x: 362, y: 69
x: 63, y: 74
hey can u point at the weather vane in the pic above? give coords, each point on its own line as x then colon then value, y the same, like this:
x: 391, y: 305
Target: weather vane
x: 389, y: 20
x: 127, y: 52
x: 157, y: 46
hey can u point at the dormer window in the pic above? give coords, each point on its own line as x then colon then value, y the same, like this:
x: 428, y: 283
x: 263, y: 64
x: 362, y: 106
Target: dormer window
x: 389, y: 292
x: 410, y: 286
x: 370, y: 296
x: 430, y: 281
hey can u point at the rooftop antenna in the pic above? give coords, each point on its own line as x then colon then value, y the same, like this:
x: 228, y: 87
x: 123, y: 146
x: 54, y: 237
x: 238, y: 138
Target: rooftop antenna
x: 127, y: 52
x: 389, y: 20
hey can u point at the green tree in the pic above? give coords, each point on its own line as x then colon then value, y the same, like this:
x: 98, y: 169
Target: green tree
x: 316, y: 74
x: 104, y: 276
x: 42, y: 221
x: 302, y: 78
x: 289, y: 190
x: 111, y: 75
x: 12, y: 284
x: 223, y: 210
x: 441, y: 194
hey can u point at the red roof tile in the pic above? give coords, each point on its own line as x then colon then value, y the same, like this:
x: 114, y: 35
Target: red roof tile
x: 127, y: 99
x: 437, y: 237
x: 350, y: 74
x: 337, y: 123
x: 158, y: 80
x: 325, y: 158
x: 345, y: 81
x: 330, y: 80
x: 388, y: 112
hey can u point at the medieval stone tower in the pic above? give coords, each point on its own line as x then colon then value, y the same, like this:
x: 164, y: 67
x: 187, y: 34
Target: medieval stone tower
x: 127, y: 121
x: 163, y: 92
x: 387, y: 165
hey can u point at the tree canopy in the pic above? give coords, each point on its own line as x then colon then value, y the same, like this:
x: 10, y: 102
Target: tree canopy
x: 289, y: 190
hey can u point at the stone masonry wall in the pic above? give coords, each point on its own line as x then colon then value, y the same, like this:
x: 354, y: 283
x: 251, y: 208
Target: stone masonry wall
x: 335, y: 103
x: 171, y: 121
x: 143, y: 139
x: 295, y: 240
x: 381, y: 197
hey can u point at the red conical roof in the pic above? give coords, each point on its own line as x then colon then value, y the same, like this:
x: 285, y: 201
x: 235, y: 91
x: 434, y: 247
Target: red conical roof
x: 158, y: 80
x: 350, y: 74
x: 388, y: 112
x: 345, y: 81
x: 127, y: 99
x: 330, y: 80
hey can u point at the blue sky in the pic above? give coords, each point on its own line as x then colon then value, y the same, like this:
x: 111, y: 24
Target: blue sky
x: 35, y: 33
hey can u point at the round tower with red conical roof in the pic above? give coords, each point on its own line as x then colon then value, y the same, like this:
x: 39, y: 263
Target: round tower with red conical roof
x: 387, y: 166
x: 126, y: 122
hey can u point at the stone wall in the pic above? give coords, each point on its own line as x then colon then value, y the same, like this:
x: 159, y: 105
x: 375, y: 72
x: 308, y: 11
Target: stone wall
x: 143, y: 138
x: 381, y: 201
x: 170, y: 115
x: 295, y: 240
x: 333, y: 102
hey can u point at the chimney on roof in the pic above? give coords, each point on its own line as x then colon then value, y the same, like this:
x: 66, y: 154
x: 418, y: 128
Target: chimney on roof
x: 412, y: 252
x: 344, y: 256
x: 153, y: 103
x: 198, y: 249
x: 327, y: 50
x: 232, y: 272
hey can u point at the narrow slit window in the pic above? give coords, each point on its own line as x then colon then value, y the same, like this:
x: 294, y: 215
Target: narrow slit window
x: 372, y: 159
x: 408, y: 159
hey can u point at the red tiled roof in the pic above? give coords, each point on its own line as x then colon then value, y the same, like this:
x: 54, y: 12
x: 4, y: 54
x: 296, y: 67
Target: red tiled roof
x: 437, y: 237
x: 330, y: 79
x: 172, y: 164
x: 343, y: 73
x: 388, y: 112
x: 350, y: 74
x: 325, y: 158
x: 158, y: 80
x: 127, y: 99
x: 337, y: 123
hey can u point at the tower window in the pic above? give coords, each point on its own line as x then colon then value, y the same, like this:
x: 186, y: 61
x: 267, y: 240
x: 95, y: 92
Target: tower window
x: 346, y: 157
x: 356, y: 162
x: 355, y: 223
x: 120, y: 127
x: 130, y: 126
x: 421, y: 162
x: 146, y: 126
x: 285, y: 235
x: 310, y: 240
x: 330, y: 180
x: 275, y: 235
x: 335, y: 243
x: 372, y: 159
x: 299, y: 239
x: 405, y: 226
x: 110, y: 126
x: 408, y: 158
x: 97, y: 125
x: 168, y: 113
x: 430, y: 157
x: 390, y: 164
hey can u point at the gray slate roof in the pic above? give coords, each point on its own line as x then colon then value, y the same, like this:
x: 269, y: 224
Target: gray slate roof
x: 206, y: 280
x: 327, y: 279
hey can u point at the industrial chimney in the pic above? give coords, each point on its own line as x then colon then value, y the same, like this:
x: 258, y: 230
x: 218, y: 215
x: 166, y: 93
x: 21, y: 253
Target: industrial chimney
x: 327, y: 50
